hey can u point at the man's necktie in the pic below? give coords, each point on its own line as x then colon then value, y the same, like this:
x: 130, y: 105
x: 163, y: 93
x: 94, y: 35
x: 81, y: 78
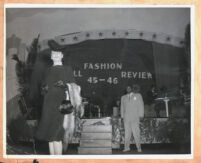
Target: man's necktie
x: 130, y: 95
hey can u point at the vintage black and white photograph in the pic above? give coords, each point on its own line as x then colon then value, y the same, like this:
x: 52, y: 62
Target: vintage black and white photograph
x: 98, y: 81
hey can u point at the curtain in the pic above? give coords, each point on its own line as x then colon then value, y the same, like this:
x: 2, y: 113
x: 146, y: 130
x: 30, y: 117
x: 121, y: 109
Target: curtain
x: 169, y: 65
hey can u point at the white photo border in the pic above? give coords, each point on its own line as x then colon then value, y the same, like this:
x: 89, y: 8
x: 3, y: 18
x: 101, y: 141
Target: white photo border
x: 143, y: 156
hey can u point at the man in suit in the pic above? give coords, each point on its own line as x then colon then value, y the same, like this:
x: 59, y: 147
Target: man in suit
x: 132, y: 109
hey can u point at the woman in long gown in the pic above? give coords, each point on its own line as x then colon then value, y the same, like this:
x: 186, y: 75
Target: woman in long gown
x: 50, y: 126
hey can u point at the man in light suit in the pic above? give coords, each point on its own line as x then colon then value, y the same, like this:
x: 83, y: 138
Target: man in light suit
x: 132, y: 109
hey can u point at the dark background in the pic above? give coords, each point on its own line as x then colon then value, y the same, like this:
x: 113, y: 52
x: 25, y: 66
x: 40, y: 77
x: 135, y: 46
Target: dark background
x: 166, y: 63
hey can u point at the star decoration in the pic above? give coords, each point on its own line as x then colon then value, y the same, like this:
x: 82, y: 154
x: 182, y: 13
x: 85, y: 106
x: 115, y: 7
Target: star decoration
x: 126, y: 33
x: 87, y: 34
x: 63, y: 39
x: 75, y: 38
x: 154, y: 35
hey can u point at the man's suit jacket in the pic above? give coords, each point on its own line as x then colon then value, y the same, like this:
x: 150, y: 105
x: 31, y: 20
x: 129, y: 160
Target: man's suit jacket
x: 132, y: 107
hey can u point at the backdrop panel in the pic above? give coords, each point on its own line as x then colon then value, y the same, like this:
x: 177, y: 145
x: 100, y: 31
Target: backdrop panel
x: 107, y: 66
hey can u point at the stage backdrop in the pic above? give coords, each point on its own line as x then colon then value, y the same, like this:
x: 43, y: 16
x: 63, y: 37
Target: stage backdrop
x: 107, y: 66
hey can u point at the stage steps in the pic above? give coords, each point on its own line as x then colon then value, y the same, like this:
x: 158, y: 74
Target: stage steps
x: 96, y: 137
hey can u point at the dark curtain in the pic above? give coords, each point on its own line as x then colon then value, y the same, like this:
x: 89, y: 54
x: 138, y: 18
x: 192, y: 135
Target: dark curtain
x: 135, y: 56
x: 165, y: 63
x: 170, y: 66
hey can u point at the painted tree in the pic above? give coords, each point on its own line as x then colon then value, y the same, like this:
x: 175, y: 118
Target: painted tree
x: 24, y: 71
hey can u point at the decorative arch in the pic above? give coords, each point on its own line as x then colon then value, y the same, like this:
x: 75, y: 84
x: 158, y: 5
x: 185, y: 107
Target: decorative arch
x: 78, y: 37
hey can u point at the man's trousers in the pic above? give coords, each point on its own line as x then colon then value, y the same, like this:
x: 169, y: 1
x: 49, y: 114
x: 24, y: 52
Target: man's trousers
x: 132, y: 127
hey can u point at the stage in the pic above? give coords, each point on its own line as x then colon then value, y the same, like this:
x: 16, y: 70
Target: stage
x: 42, y: 149
x: 108, y: 132
x: 106, y: 136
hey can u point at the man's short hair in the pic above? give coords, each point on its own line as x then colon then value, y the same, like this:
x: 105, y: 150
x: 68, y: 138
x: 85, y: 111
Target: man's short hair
x: 136, y: 88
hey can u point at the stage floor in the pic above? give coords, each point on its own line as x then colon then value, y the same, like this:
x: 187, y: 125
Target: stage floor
x: 42, y: 149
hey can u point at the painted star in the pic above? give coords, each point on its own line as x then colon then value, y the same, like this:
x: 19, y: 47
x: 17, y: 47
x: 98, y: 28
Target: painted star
x: 87, y: 34
x: 126, y: 33
x: 75, y: 38
x: 63, y: 39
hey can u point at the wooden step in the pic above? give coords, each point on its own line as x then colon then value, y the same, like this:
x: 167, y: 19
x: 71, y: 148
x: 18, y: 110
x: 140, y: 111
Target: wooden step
x: 102, y: 121
x: 102, y: 129
x: 88, y: 135
x: 94, y: 150
x: 96, y: 143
